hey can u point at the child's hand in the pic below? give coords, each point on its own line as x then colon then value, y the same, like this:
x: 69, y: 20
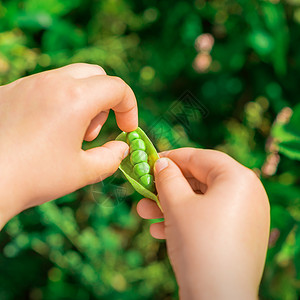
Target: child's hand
x: 44, y: 119
x: 216, y: 223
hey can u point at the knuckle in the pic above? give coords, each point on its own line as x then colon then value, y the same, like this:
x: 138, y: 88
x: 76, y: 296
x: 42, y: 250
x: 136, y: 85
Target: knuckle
x: 221, y: 161
x: 42, y: 80
x: 99, y: 69
x: 124, y: 91
x: 70, y: 91
x: 59, y: 86
x: 79, y: 65
x: 73, y: 91
x: 225, y: 158
x: 250, y: 176
x: 247, y: 178
x: 254, y: 184
x: 119, y: 82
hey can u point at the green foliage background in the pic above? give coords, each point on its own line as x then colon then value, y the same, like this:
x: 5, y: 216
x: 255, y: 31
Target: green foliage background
x: 91, y: 244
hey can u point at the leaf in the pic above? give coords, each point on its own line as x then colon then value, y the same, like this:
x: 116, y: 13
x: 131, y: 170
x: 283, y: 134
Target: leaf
x: 274, y: 18
x: 62, y: 35
x: 282, y: 194
x: 290, y: 149
x: 280, y: 132
x: 288, y: 136
x: 294, y: 124
x: 261, y: 42
x: 284, y: 222
x: 51, y: 7
x: 297, y: 252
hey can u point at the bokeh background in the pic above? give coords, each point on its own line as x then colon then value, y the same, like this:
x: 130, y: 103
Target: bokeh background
x: 238, y: 61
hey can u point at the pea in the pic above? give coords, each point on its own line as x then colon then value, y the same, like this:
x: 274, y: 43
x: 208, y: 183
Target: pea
x: 138, y: 156
x: 132, y: 136
x: 147, y: 181
x: 137, y: 144
x: 141, y: 169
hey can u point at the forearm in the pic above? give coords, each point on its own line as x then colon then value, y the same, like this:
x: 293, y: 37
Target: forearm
x: 218, y: 291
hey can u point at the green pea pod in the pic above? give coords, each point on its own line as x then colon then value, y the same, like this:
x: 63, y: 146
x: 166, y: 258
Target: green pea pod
x: 127, y: 168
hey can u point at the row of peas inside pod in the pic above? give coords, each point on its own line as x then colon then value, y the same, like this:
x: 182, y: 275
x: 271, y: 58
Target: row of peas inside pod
x: 138, y: 166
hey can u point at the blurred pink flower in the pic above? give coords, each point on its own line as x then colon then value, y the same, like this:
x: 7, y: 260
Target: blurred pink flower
x: 274, y: 235
x: 202, y: 62
x: 270, y: 166
x: 204, y: 42
x: 284, y: 115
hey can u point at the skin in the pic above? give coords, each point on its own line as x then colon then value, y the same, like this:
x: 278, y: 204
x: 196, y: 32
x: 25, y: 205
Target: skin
x: 216, y: 223
x: 216, y: 211
x: 44, y: 119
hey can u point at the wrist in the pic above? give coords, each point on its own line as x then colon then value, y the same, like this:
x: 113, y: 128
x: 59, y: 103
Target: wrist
x: 210, y: 284
x: 217, y: 292
x: 215, y: 270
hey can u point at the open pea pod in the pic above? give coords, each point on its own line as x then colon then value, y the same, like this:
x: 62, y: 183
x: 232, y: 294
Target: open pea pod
x: 138, y: 165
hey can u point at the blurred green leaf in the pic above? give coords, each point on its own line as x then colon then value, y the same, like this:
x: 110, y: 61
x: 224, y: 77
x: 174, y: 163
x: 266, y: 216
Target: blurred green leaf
x: 291, y: 149
x: 288, y: 135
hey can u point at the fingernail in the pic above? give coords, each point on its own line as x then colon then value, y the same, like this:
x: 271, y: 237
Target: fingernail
x: 126, y: 153
x: 161, y: 164
x: 163, y: 154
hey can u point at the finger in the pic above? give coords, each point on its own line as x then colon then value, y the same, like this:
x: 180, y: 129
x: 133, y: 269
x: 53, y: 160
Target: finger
x: 157, y: 230
x: 101, y: 162
x: 148, y: 209
x: 107, y: 92
x: 95, y: 126
x: 171, y: 185
x: 197, y: 186
x: 80, y: 70
x: 205, y: 165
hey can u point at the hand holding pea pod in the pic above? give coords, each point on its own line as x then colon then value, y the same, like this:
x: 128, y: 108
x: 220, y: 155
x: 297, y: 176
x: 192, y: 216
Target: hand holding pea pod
x: 138, y: 166
x: 216, y: 223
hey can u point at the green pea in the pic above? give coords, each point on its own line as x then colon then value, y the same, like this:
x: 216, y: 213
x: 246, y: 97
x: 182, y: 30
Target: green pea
x: 133, y: 135
x: 137, y: 144
x: 138, y: 156
x: 147, y: 181
x: 141, y: 169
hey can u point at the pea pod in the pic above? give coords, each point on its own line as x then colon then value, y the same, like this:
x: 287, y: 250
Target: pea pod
x: 138, y: 165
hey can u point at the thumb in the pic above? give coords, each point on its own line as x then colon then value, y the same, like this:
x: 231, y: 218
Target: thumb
x: 102, y: 162
x: 171, y: 185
